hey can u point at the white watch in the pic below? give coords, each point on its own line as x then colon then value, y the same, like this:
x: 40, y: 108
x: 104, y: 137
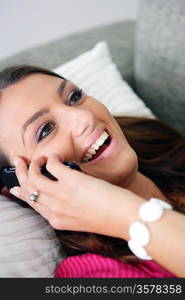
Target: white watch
x: 150, y: 211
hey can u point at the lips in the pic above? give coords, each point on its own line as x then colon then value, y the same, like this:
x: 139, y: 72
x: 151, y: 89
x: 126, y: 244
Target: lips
x: 96, y: 136
x: 93, y: 138
x: 102, y: 148
x: 107, y: 152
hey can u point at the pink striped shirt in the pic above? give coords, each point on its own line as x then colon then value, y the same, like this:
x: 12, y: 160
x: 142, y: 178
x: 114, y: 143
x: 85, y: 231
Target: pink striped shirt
x: 96, y: 266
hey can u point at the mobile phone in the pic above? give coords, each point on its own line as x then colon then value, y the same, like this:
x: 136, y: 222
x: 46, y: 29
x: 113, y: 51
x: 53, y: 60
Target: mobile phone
x: 9, y: 179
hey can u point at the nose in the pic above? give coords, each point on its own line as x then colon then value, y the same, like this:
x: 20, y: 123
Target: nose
x: 77, y: 126
x: 80, y: 122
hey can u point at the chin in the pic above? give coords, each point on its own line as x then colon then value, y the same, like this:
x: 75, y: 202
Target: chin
x: 122, y: 171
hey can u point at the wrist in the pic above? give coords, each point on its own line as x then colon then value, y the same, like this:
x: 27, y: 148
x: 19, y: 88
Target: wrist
x: 139, y: 230
x: 123, y: 213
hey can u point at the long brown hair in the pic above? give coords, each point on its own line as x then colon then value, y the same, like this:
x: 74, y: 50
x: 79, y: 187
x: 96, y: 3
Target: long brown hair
x: 161, y: 156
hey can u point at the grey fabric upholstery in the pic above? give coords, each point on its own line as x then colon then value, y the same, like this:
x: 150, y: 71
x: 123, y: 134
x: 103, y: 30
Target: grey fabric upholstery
x: 160, y: 59
x: 120, y: 37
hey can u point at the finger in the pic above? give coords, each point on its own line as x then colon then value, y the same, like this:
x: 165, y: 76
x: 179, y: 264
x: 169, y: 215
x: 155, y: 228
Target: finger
x: 36, y: 177
x: 56, y: 167
x: 23, y: 194
x: 21, y: 170
x: 38, y: 206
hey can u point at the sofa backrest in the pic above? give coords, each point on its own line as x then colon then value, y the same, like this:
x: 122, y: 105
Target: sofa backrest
x: 119, y: 36
x: 159, y: 67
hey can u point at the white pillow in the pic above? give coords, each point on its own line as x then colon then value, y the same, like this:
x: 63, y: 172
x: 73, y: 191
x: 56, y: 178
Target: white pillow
x: 28, y: 244
x: 95, y: 72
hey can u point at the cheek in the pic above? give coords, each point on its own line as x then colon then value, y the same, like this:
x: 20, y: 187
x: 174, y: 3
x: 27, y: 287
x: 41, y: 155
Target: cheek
x: 101, y: 113
x: 124, y: 164
x: 54, y: 146
x: 120, y: 169
x: 127, y: 165
x: 11, y: 150
x: 98, y: 109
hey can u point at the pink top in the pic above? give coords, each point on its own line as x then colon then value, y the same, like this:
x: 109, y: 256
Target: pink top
x: 96, y: 266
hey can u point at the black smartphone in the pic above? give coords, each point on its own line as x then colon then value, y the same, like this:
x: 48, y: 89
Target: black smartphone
x: 9, y: 179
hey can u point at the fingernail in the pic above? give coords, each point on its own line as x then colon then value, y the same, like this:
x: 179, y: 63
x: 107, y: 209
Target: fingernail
x: 16, y: 161
x: 15, y: 191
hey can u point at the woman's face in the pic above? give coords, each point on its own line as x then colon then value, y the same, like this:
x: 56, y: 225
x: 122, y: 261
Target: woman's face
x: 43, y: 114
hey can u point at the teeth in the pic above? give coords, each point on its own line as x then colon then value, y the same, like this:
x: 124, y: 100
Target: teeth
x: 95, y: 147
x: 85, y: 159
x: 89, y: 155
x: 92, y: 150
x: 100, y: 141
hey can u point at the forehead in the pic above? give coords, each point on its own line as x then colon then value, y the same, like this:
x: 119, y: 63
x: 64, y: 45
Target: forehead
x: 32, y: 85
x: 27, y: 96
x: 19, y: 101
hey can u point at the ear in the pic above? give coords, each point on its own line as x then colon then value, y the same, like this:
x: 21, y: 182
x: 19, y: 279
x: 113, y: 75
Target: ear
x: 5, y: 192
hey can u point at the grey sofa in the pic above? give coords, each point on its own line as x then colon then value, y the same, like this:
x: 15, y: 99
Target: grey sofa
x: 150, y: 53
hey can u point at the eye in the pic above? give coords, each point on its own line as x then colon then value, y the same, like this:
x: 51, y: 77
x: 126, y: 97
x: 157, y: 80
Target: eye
x: 75, y: 96
x: 45, y: 130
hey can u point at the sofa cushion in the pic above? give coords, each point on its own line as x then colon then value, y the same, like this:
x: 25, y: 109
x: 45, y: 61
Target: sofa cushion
x: 160, y: 59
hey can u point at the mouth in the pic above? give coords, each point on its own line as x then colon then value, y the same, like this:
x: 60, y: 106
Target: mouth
x: 96, y: 150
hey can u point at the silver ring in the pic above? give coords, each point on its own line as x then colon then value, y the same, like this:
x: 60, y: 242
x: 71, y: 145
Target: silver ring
x: 33, y: 197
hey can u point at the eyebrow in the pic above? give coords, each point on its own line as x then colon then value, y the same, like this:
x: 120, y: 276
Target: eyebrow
x: 61, y: 87
x: 41, y: 112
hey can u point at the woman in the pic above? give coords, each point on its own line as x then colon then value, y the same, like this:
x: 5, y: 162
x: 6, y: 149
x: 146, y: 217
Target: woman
x: 122, y: 166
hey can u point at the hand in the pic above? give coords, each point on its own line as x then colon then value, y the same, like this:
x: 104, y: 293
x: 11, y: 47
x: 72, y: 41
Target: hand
x: 76, y: 201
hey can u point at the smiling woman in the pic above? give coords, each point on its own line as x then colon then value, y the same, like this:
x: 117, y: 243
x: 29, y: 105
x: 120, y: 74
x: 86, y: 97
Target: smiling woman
x: 124, y: 162
x: 69, y: 124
